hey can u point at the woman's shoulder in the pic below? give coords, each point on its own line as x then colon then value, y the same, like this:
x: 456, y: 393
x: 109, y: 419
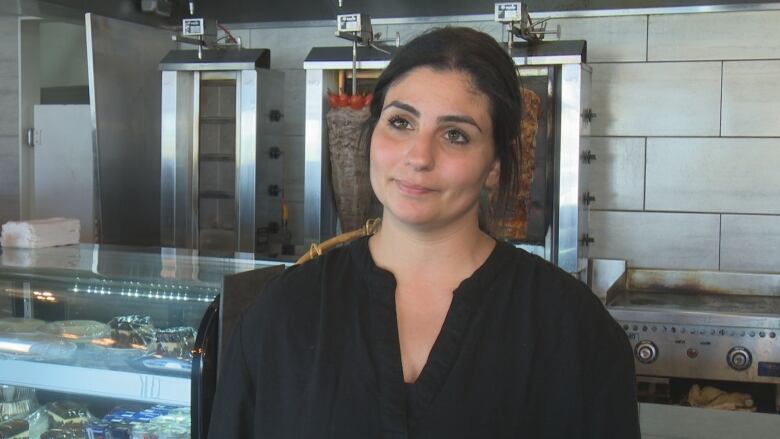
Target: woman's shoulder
x: 539, y: 272
x: 549, y: 286
x: 300, y: 284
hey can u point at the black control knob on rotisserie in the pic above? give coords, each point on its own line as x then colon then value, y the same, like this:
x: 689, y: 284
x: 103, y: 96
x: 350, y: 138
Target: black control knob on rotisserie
x: 739, y: 358
x: 646, y: 351
x: 275, y: 115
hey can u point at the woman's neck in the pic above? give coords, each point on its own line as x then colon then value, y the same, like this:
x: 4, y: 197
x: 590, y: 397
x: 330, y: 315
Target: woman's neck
x: 409, y: 252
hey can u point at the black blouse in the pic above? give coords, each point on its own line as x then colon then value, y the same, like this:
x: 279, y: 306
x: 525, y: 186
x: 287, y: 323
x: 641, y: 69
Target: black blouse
x: 525, y: 351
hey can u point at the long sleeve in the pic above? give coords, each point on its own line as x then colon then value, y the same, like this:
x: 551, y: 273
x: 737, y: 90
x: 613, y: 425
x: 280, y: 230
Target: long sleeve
x: 233, y: 409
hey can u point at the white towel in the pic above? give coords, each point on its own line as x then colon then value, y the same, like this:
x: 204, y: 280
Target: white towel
x: 48, y: 232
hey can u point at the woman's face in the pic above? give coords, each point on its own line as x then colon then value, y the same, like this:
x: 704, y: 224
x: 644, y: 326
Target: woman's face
x: 432, y: 149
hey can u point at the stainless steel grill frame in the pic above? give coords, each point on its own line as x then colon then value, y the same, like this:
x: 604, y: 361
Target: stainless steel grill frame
x: 566, y: 242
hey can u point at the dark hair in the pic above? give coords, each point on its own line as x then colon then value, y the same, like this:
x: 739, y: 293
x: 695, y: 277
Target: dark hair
x: 491, y: 70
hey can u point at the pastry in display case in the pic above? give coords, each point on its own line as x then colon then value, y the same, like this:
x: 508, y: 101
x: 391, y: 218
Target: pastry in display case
x: 97, y: 342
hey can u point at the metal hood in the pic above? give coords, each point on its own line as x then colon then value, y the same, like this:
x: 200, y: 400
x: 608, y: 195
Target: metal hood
x: 215, y: 59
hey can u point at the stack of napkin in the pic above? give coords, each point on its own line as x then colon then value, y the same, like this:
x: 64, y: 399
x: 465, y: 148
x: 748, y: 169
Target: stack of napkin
x: 40, y: 233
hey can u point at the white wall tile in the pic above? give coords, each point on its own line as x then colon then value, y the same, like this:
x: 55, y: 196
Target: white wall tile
x: 656, y: 99
x: 63, y: 55
x: 751, y: 98
x: 411, y: 30
x: 713, y: 175
x: 617, y: 176
x: 290, y: 46
x: 610, y: 39
x: 714, y: 36
x: 9, y: 106
x: 750, y: 243
x: 9, y: 208
x: 9, y: 166
x: 656, y: 240
x: 9, y: 47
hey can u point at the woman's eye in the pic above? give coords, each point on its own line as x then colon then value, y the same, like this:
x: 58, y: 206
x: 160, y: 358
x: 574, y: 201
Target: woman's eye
x: 456, y: 136
x: 399, y: 123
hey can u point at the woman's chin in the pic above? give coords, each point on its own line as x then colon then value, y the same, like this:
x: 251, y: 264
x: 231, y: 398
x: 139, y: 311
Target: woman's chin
x: 410, y: 218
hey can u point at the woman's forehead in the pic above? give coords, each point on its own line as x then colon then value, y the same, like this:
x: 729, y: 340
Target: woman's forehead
x: 444, y: 84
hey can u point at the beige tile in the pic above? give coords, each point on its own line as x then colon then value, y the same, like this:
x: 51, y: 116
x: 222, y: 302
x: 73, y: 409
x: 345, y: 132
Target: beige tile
x: 9, y: 166
x: 9, y: 47
x: 409, y: 31
x: 656, y: 99
x: 751, y: 98
x: 732, y: 175
x: 9, y: 208
x: 656, y: 240
x: 750, y: 243
x: 9, y: 106
x: 63, y: 55
x: 610, y: 39
x: 714, y: 36
x: 289, y: 46
x: 617, y: 176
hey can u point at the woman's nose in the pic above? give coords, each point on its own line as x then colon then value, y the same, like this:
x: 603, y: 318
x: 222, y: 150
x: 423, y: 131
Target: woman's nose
x: 420, y: 153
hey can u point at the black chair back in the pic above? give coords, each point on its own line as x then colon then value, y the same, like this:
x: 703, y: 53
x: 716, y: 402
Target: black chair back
x: 238, y: 292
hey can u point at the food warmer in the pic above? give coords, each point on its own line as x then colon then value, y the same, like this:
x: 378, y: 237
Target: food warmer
x: 98, y: 337
x: 221, y: 163
x: 557, y: 221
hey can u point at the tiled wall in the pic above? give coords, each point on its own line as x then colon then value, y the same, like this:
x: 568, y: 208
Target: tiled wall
x: 687, y: 133
x: 63, y: 54
x: 9, y: 119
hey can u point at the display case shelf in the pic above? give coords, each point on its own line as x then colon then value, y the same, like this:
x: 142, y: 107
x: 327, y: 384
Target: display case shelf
x: 132, y: 386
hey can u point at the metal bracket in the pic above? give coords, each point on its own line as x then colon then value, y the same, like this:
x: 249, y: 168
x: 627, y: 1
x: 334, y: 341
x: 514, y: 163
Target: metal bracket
x: 586, y: 240
x: 588, y: 114
x: 587, y: 198
x: 587, y: 156
x: 33, y: 137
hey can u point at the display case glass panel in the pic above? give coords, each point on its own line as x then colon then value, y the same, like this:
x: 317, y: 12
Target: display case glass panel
x: 96, y: 338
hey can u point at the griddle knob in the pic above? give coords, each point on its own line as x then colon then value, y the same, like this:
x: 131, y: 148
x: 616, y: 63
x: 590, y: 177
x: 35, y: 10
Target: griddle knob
x: 739, y: 358
x: 646, y: 351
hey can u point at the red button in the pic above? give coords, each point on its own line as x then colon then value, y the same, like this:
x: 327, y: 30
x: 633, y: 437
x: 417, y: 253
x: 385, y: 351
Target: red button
x: 692, y: 353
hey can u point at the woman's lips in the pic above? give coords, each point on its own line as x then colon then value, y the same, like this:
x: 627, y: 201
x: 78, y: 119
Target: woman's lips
x: 411, y: 189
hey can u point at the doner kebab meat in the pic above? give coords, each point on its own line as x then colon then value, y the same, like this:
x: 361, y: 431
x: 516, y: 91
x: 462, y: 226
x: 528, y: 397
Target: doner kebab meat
x: 514, y: 225
x: 349, y: 166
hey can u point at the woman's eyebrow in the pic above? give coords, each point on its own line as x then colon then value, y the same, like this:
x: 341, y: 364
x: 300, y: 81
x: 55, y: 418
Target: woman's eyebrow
x: 450, y: 118
x: 459, y: 118
x: 403, y: 106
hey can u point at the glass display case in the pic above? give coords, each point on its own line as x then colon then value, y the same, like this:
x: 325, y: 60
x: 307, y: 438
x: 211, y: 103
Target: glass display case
x: 94, y: 339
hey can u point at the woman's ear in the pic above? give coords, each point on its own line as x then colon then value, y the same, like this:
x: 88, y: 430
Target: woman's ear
x: 491, y: 182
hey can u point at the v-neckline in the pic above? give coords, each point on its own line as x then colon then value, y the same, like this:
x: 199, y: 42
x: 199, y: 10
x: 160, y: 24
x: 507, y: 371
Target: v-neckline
x: 384, y: 343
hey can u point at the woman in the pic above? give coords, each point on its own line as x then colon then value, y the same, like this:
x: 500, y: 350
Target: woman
x: 431, y: 328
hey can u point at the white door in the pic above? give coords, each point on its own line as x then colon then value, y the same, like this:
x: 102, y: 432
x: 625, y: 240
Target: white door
x: 63, y: 165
